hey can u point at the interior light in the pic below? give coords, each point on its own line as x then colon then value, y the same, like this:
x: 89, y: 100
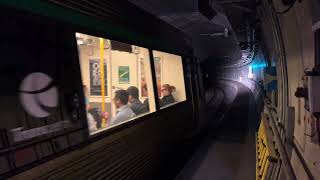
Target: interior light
x: 78, y: 35
x: 80, y: 42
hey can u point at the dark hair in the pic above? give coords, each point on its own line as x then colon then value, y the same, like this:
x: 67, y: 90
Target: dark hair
x: 169, y: 87
x: 133, y: 91
x: 122, y: 95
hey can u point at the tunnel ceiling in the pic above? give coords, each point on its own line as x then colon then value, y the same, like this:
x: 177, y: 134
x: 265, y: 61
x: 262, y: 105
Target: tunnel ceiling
x: 209, y: 41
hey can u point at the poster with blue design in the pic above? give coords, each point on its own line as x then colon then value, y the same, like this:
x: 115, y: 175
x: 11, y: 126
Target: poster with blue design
x: 124, y: 74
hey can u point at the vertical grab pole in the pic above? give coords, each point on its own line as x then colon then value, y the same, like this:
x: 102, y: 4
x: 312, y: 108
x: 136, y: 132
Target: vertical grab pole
x: 103, y: 108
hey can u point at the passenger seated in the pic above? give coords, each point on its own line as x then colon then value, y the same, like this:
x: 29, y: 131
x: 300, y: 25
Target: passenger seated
x: 124, y: 112
x: 144, y: 93
x: 146, y: 104
x: 167, y: 98
x: 134, y: 102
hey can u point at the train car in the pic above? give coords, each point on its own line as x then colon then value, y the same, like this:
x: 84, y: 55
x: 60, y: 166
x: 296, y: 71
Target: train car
x: 65, y: 69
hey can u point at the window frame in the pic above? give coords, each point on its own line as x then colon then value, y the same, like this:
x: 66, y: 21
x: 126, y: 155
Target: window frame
x: 104, y: 130
x: 158, y: 109
x: 154, y: 79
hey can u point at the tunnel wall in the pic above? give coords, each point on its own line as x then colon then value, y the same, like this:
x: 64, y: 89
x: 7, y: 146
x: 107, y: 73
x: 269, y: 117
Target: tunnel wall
x: 298, y: 44
x: 238, y: 75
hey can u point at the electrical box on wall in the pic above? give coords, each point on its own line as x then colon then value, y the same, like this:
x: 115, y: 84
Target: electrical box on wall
x: 314, y: 93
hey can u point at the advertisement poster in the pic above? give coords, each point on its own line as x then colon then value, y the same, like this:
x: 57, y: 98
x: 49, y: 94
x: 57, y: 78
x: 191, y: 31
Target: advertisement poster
x: 158, y: 69
x: 158, y: 65
x: 95, y: 80
x: 124, y: 74
x: 143, y: 82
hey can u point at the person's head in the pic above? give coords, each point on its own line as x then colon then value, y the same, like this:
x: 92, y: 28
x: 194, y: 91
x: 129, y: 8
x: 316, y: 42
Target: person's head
x: 120, y: 98
x: 167, y: 89
x: 133, y: 93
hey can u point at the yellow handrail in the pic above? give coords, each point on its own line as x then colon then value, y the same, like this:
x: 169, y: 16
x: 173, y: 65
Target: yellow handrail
x: 103, y: 108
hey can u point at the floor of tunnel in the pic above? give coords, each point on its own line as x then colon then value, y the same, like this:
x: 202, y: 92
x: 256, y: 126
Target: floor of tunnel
x: 228, y: 152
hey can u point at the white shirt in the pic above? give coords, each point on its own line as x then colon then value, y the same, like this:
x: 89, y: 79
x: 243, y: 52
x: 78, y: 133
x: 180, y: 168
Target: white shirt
x: 123, y: 113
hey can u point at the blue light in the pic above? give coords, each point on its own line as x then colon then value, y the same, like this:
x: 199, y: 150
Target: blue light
x: 255, y: 66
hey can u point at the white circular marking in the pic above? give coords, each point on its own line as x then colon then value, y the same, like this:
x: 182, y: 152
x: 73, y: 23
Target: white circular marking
x: 33, y: 103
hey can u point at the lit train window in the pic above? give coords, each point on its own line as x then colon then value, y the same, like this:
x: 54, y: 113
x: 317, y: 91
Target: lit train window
x: 116, y: 80
x: 170, y: 78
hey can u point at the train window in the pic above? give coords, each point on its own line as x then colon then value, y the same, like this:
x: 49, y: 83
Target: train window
x: 170, y: 78
x: 116, y: 80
